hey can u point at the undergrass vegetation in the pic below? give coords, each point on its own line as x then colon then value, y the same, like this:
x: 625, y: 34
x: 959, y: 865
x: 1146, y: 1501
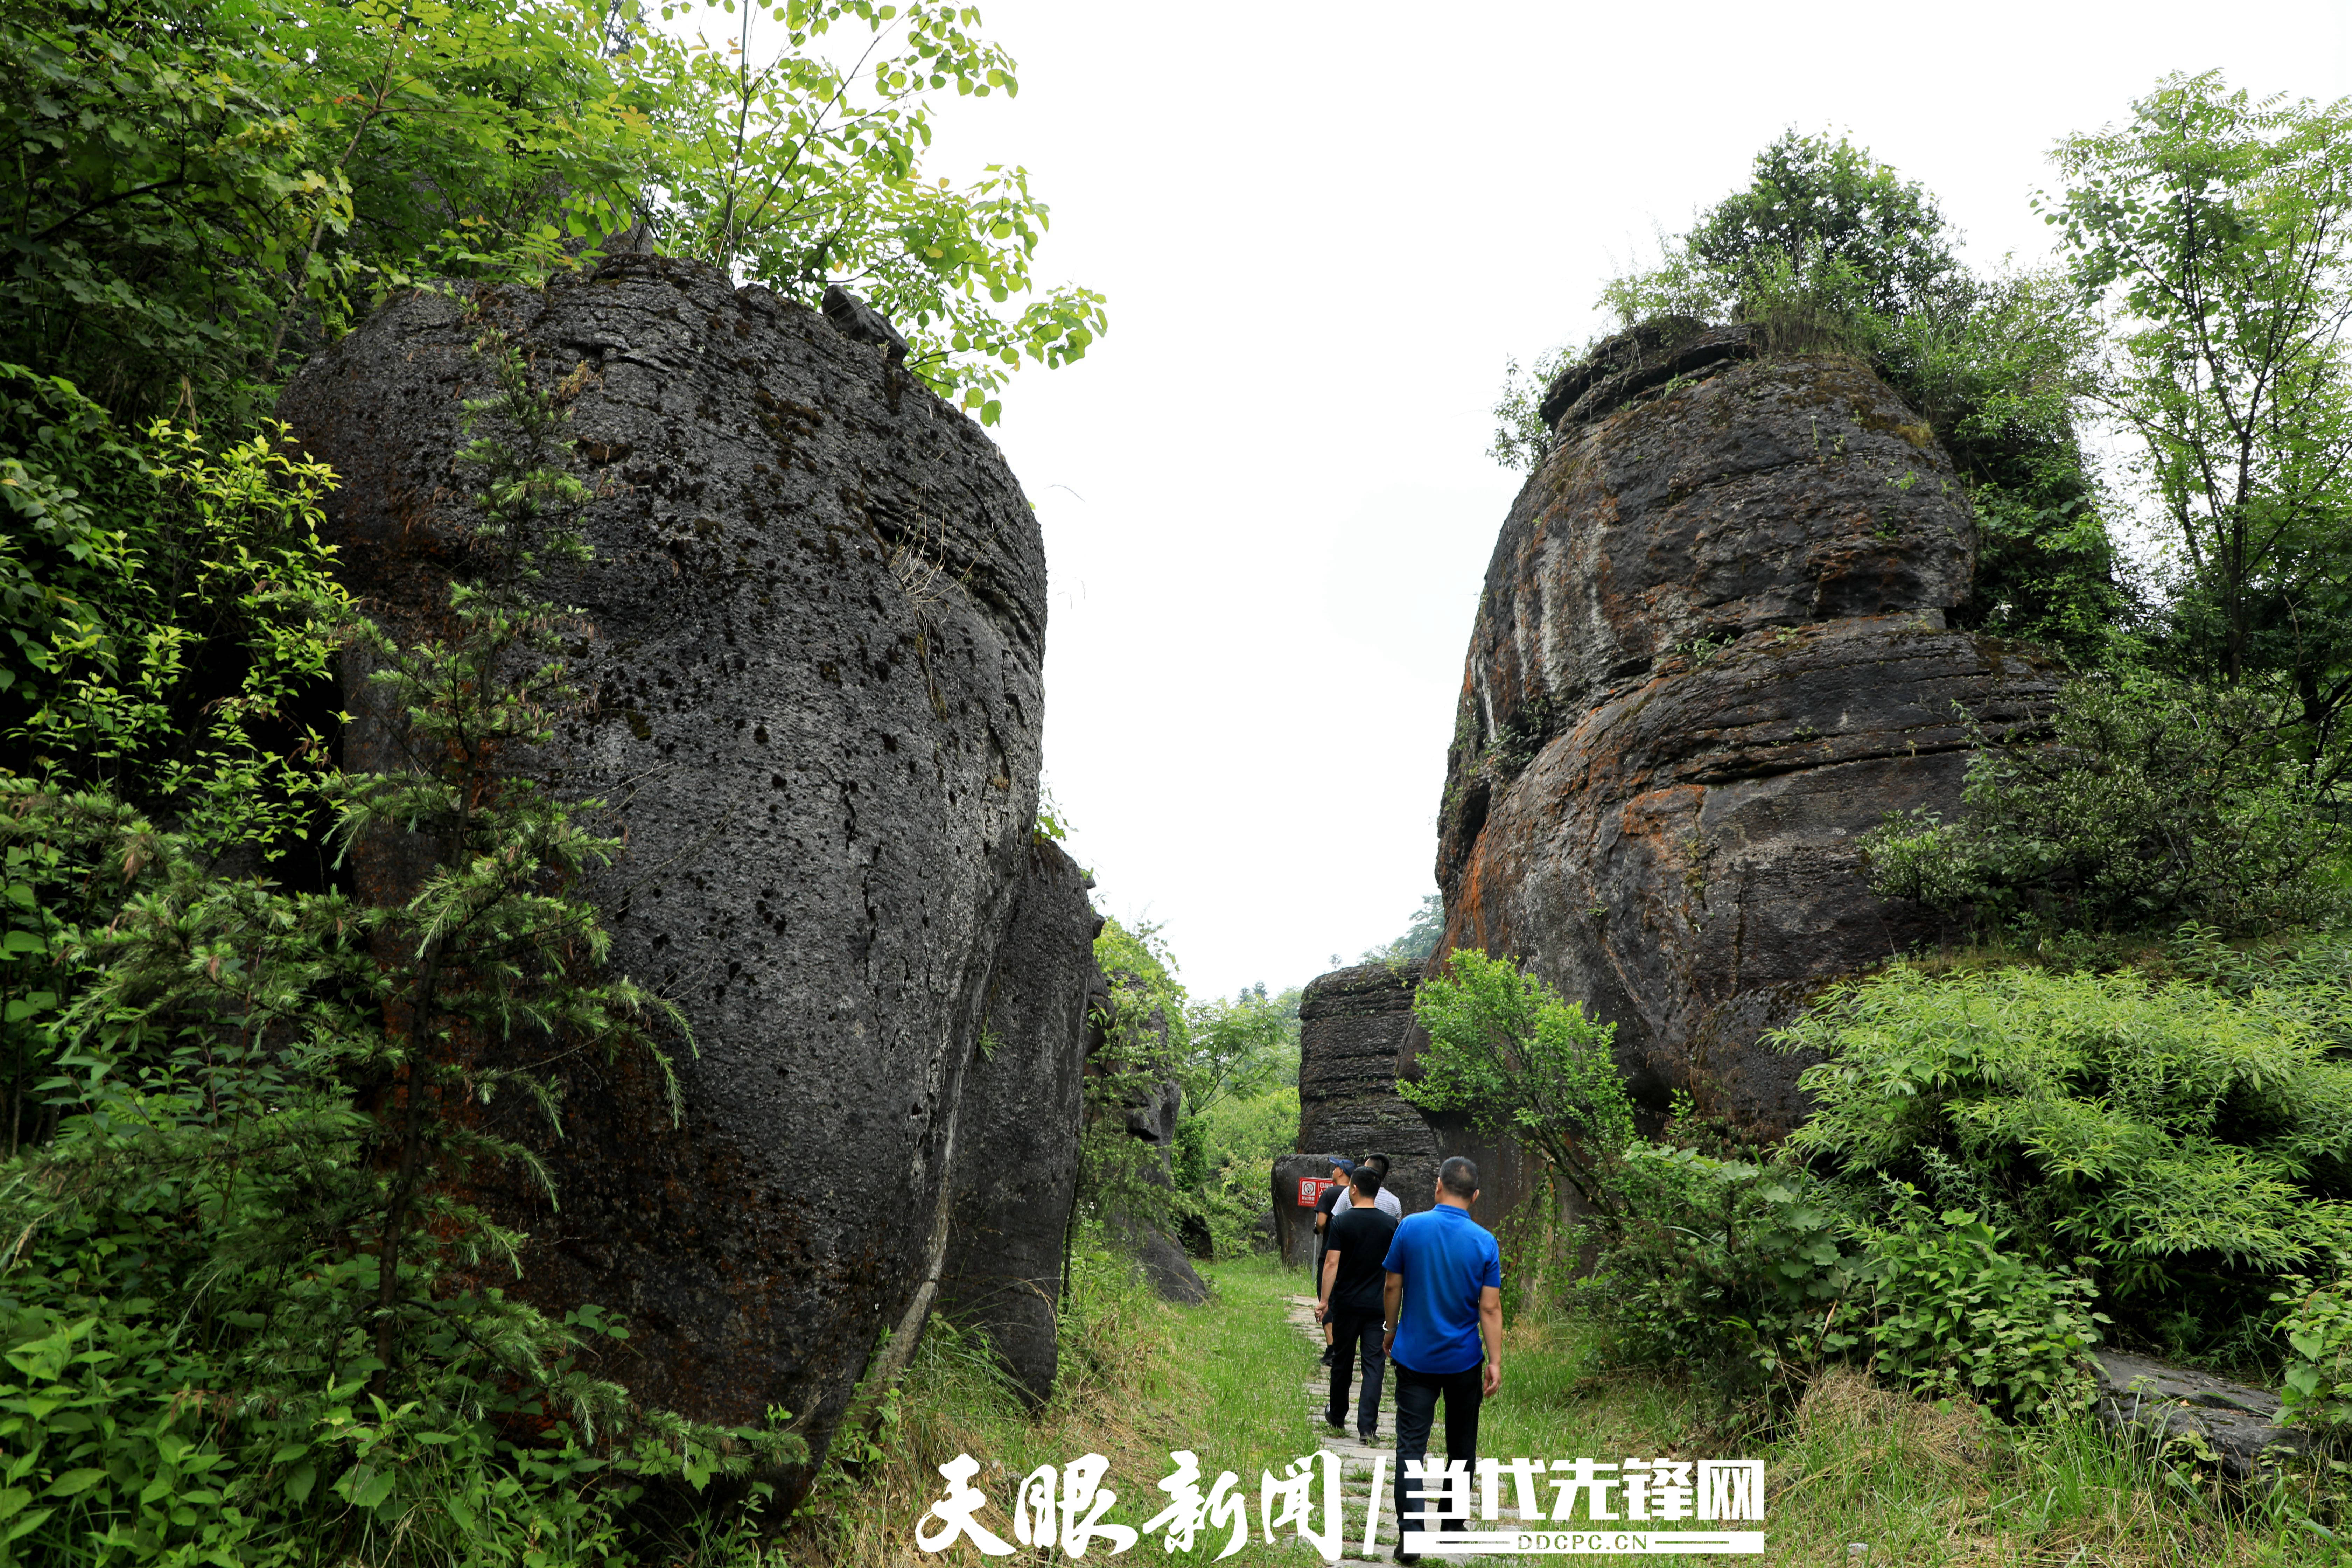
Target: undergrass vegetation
x: 1923, y: 1482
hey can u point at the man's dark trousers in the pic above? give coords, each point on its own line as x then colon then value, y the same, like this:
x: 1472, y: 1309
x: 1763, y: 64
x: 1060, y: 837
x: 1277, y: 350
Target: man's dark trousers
x: 1417, y: 1394
x: 1352, y: 1332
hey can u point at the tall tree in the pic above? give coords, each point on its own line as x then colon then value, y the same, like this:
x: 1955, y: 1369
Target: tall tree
x: 2214, y: 227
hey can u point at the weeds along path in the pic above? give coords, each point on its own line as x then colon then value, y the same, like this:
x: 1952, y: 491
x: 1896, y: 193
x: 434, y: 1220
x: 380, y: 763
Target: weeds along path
x: 1235, y: 1381
x: 1263, y: 1392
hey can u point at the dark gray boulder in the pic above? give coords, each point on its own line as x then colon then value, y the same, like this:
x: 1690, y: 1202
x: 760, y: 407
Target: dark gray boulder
x: 814, y: 632
x: 1352, y: 1024
x: 2240, y: 1424
x: 1163, y: 1265
x: 1710, y: 655
x: 1016, y: 1155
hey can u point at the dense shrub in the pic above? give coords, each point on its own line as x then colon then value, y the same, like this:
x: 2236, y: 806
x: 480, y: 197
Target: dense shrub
x: 2147, y: 802
x: 1754, y: 1274
x: 1505, y: 1050
x: 1731, y: 1267
x: 1955, y: 1311
x: 2190, y: 1142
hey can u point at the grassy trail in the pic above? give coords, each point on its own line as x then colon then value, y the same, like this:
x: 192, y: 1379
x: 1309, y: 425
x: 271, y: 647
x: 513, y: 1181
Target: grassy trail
x: 1236, y: 1382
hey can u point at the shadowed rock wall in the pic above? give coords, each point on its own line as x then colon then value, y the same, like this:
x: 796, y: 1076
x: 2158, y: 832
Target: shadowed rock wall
x: 1294, y: 1221
x: 814, y: 632
x: 1710, y: 654
x: 1016, y: 1162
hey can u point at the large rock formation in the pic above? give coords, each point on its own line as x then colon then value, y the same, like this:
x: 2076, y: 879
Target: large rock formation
x: 1016, y: 1162
x: 814, y: 630
x: 1710, y: 655
x: 1354, y: 1029
x: 1352, y: 1023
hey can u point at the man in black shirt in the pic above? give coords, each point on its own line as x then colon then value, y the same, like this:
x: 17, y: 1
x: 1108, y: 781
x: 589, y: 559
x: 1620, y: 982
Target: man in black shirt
x: 1355, y: 1248
x: 1341, y: 1171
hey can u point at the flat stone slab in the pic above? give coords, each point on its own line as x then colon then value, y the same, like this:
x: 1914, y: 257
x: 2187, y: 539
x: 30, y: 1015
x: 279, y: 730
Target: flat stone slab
x: 2239, y: 1423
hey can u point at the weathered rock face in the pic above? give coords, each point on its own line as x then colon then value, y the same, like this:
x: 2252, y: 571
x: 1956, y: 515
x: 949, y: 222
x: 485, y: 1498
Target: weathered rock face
x: 1352, y: 1023
x: 814, y: 632
x: 1711, y: 654
x: 1016, y: 1158
x: 1767, y: 495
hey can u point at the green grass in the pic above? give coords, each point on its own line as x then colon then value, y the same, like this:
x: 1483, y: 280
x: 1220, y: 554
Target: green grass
x: 1921, y: 1485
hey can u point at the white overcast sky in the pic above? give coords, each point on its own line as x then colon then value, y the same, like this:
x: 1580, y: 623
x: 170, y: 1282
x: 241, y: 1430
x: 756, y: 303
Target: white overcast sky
x: 1323, y: 228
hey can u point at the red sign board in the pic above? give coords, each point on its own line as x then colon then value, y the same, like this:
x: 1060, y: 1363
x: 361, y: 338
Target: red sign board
x: 1310, y: 1190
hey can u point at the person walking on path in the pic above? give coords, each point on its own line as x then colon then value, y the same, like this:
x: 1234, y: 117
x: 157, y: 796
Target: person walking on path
x: 1444, y: 1294
x: 1350, y: 1301
x: 1387, y: 1199
x: 1341, y: 1170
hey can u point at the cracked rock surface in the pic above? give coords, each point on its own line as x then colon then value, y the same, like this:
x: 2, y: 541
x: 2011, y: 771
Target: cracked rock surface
x: 814, y: 631
x: 1709, y: 656
x: 1016, y: 1160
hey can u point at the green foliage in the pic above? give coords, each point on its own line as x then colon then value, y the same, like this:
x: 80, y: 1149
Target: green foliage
x: 2217, y: 231
x: 1954, y: 1311
x: 2190, y: 1141
x: 2316, y: 1390
x: 1521, y: 437
x: 169, y: 650
x: 2148, y: 803
x: 1239, y: 1075
x: 1222, y: 1157
x: 1520, y: 1062
x: 1753, y: 1274
x: 1239, y: 1048
x: 804, y: 171
x: 1815, y: 207
x: 1051, y: 825
x: 1145, y: 1035
x: 212, y: 185
x: 1829, y: 250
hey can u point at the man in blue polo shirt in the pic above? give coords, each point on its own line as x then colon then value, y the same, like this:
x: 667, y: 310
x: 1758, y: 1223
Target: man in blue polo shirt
x: 1443, y: 1295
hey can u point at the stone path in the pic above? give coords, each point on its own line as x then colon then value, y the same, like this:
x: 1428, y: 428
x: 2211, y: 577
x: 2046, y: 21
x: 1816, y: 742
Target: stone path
x: 1356, y: 1457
